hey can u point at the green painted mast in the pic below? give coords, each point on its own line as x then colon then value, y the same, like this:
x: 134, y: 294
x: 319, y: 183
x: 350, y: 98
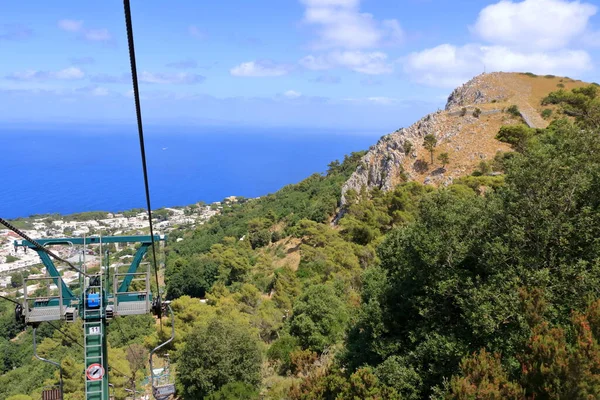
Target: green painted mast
x: 96, y: 305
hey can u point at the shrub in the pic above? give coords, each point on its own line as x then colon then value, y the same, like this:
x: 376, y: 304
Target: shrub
x: 216, y: 354
x: 281, y: 351
x: 463, y: 111
x: 302, y: 360
x: 407, y: 146
x: 485, y: 167
x: 546, y: 113
x: 515, y: 135
x: 276, y: 236
x: 396, y: 372
x: 513, y: 110
x: 420, y: 166
x: 320, y: 318
x: 530, y: 74
x: 550, y: 76
x: 444, y: 158
x: 477, y: 113
x: 260, y: 238
x: 235, y: 391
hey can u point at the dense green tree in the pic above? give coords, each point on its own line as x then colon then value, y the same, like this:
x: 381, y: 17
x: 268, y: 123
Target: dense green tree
x: 125, y: 331
x: 484, y: 378
x: 333, y: 384
x: 581, y: 103
x: 192, y: 276
x: 280, y: 351
x: 215, y: 354
x: 235, y: 391
x: 452, y: 279
x: 320, y: 318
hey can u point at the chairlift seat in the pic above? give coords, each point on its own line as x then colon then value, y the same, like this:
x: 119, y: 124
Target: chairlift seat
x: 131, y: 308
x: 41, y: 314
x: 163, y: 391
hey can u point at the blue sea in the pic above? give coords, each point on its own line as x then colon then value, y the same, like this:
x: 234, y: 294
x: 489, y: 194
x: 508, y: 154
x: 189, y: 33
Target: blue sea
x: 75, y: 169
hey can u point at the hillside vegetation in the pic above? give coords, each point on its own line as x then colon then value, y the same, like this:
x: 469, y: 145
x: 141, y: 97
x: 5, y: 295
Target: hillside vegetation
x: 484, y: 288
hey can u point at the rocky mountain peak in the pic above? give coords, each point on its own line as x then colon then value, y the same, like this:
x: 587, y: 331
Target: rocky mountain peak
x: 465, y: 130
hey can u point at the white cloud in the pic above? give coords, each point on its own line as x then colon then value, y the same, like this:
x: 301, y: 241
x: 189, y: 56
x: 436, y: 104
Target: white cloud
x: 537, y: 24
x: 93, y: 35
x: 260, y: 69
x: 529, y: 35
x: 341, y: 25
x: 449, y: 66
x: 177, y: 78
x: 70, y: 73
x: 371, y: 63
x: 292, y: 94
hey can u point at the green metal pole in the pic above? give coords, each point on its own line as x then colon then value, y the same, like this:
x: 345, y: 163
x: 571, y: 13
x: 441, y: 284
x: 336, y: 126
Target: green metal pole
x: 96, y: 354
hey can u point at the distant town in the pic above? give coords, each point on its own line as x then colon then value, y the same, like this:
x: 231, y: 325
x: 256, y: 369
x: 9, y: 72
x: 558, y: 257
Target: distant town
x: 133, y: 222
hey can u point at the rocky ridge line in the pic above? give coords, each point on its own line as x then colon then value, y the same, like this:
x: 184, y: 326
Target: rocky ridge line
x: 386, y: 165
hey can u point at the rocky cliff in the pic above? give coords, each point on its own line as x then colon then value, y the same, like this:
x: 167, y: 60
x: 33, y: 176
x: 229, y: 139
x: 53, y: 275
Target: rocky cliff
x: 465, y: 129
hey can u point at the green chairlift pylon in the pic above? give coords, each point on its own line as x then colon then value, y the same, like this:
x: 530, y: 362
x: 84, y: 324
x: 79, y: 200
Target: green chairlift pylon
x: 96, y: 306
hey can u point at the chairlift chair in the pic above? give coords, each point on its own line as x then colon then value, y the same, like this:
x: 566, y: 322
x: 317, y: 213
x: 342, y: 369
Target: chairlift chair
x: 163, y: 386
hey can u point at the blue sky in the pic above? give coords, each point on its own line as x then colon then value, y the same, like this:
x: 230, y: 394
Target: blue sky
x: 348, y: 64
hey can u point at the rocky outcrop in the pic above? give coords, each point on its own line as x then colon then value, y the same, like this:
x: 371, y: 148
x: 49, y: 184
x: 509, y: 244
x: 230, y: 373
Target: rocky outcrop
x: 387, y: 163
x: 466, y: 130
x: 478, y: 90
x: 463, y: 134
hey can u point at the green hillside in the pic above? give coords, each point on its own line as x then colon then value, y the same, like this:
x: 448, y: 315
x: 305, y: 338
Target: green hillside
x: 487, y: 288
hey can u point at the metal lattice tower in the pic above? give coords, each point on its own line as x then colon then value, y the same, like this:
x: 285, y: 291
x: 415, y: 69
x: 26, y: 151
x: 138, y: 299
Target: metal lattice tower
x: 96, y: 305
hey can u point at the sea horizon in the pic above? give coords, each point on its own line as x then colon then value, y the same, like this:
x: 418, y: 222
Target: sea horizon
x: 70, y: 169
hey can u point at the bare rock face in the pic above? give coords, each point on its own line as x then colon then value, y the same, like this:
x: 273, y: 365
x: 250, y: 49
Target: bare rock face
x: 478, y: 90
x: 382, y: 166
x: 466, y: 130
x: 458, y: 129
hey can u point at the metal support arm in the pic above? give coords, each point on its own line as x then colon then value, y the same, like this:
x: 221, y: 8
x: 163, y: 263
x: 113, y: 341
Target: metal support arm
x: 67, y: 295
x: 139, y: 254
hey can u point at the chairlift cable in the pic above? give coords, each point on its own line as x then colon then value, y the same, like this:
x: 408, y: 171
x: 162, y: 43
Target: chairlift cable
x: 66, y: 335
x: 38, y: 246
x: 11, y: 300
x: 138, y: 111
x: 49, y: 323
